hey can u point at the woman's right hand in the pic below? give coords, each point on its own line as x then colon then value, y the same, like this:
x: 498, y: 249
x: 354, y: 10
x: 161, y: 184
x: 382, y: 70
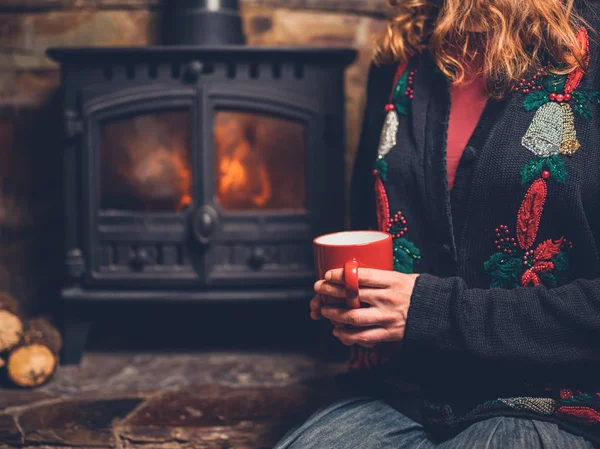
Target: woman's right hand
x: 317, y: 303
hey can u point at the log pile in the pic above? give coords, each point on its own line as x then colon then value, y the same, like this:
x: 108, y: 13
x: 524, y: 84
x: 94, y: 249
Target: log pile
x: 29, y: 349
x: 11, y: 324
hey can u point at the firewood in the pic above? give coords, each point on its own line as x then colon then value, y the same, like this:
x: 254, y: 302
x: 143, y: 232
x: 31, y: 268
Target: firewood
x: 40, y: 330
x: 34, y: 360
x: 9, y: 303
x: 2, y: 363
x: 11, y: 326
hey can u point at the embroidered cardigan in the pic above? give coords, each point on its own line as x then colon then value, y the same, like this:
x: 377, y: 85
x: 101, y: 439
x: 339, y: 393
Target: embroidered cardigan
x: 505, y: 317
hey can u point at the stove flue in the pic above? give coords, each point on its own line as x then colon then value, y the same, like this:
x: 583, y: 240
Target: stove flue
x: 202, y: 22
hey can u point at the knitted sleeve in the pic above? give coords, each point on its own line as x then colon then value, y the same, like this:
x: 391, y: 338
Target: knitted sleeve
x: 532, y: 325
x: 362, y: 204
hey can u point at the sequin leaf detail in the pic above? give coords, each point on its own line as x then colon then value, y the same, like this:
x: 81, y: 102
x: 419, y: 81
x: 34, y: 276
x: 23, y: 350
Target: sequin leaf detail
x: 503, y: 270
x: 561, y: 261
x: 532, y: 170
x: 401, y: 101
x: 580, y: 105
x: 405, y: 253
x: 381, y: 167
x: 557, y: 169
x: 528, y: 218
x: 409, y: 247
x: 554, y: 83
x: 535, y: 100
x: 581, y: 102
x: 403, y: 263
x: 547, y: 250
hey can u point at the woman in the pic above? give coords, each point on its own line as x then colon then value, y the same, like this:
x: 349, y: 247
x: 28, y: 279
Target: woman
x: 480, y: 153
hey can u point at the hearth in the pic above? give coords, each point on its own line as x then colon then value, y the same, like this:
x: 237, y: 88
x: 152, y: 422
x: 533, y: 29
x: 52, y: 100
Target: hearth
x: 197, y: 172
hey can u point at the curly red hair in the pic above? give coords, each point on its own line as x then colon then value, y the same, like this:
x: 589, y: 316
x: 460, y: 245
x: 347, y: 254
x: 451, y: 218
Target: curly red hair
x: 503, y: 39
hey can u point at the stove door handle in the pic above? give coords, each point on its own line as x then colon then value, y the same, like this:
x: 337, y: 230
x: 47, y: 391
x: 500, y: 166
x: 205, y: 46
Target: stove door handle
x: 204, y: 224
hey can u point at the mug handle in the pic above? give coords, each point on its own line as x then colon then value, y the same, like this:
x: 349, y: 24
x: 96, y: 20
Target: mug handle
x: 351, y: 284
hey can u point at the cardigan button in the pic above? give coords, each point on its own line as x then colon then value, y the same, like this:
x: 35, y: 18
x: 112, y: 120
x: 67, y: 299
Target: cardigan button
x: 470, y: 154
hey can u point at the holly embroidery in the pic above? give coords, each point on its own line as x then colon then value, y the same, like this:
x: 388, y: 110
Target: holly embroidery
x: 556, y: 99
x: 551, y: 134
x: 519, y: 261
x: 405, y: 252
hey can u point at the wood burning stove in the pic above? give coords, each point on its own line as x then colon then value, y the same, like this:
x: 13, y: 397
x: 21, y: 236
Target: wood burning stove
x: 197, y: 172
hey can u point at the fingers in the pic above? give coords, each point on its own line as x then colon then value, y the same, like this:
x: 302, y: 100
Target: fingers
x: 334, y: 302
x: 364, y: 317
x: 367, y: 277
x: 319, y: 301
x: 315, y: 307
x: 330, y: 289
x: 363, y: 337
x: 335, y: 294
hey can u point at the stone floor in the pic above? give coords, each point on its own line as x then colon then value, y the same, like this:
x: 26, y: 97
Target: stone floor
x: 243, y: 400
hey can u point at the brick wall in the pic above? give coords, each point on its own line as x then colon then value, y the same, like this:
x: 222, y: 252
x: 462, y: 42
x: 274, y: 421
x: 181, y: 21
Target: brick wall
x: 29, y: 163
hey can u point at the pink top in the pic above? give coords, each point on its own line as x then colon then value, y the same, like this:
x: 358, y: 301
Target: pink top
x: 467, y: 104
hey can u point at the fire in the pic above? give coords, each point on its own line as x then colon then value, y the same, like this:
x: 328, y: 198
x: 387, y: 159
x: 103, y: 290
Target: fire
x: 186, y: 200
x: 146, y: 163
x: 243, y: 176
x: 236, y: 180
x: 161, y: 172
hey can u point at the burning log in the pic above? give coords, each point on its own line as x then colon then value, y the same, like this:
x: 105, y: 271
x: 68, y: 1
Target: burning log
x: 34, y: 360
x: 11, y: 326
x: 2, y: 363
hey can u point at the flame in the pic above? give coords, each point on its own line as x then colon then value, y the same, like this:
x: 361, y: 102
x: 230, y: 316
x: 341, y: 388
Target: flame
x: 186, y: 200
x: 243, y: 176
x: 147, y: 162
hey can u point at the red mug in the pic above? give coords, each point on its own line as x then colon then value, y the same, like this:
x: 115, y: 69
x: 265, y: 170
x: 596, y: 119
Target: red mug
x: 353, y: 250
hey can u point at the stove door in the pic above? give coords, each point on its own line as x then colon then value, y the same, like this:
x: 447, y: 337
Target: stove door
x: 257, y: 186
x: 142, y: 191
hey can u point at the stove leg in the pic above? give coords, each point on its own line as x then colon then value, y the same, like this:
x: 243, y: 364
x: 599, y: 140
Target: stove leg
x: 76, y: 327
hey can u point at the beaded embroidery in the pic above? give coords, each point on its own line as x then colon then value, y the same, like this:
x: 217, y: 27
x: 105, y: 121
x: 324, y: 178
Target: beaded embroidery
x: 569, y: 144
x: 551, y: 134
x: 543, y: 406
x: 581, y: 407
x: 545, y: 90
x: 397, y: 105
x: 545, y: 134
x: 530, y: 212
x: 405, y: 252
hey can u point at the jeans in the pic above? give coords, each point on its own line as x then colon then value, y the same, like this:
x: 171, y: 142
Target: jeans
x: 364, y: 423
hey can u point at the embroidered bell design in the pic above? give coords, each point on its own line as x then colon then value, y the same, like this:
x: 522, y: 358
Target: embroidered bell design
x: 545, y: 134
x: 387, y: 140
x: 570, y: 144
x: 552, y: 130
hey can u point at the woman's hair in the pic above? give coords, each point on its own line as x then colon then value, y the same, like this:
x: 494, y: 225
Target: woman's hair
x: 504, y: 39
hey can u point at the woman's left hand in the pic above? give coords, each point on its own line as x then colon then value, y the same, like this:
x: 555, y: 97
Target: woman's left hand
x: 387, y: 294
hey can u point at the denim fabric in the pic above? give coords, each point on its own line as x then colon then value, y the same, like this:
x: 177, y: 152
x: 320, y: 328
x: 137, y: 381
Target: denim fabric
x: 364, y: 423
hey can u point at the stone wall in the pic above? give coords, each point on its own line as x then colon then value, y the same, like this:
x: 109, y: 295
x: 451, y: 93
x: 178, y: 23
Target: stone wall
x: 29, y: 149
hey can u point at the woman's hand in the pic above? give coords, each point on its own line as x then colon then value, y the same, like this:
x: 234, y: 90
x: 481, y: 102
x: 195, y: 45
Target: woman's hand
x: 387, y: 296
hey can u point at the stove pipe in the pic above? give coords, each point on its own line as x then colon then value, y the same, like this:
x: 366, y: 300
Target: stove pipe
x: 202, y: 22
